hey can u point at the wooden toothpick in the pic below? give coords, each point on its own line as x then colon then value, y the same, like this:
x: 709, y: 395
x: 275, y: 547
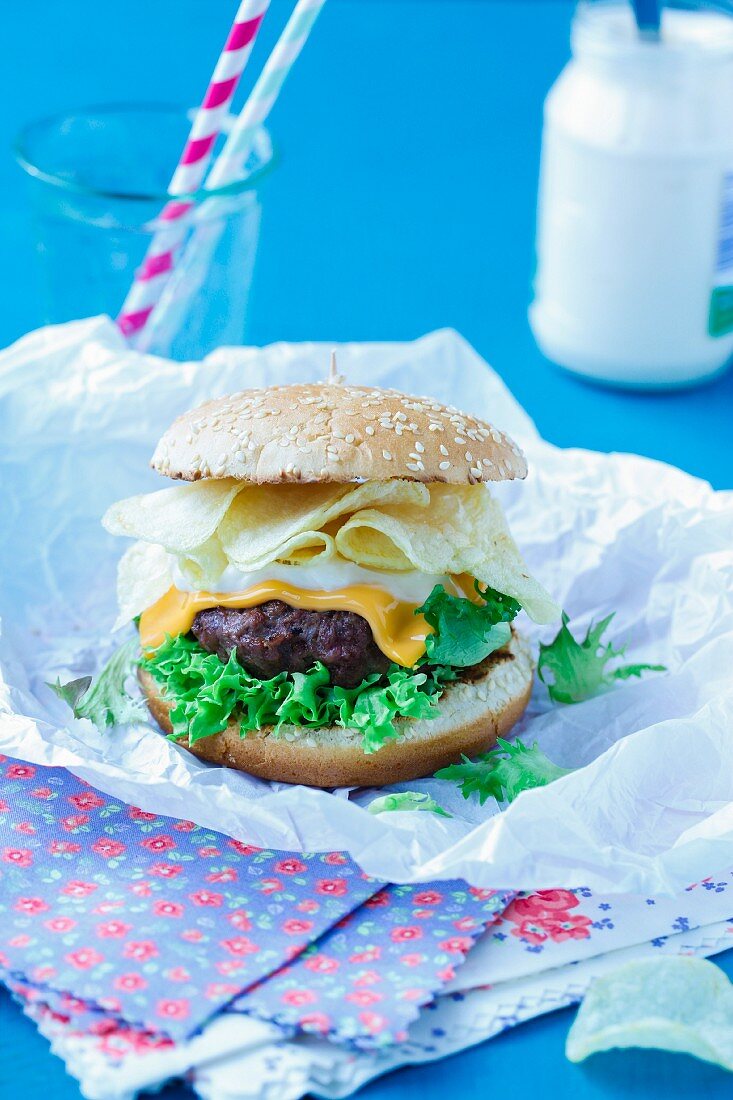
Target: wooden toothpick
x: 334, y: 378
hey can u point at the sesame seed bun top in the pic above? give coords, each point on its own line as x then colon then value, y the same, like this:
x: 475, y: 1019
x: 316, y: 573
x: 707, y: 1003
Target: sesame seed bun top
x: 329, y: 432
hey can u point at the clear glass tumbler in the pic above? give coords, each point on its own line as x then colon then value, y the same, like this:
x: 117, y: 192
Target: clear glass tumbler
x: 98, y: 180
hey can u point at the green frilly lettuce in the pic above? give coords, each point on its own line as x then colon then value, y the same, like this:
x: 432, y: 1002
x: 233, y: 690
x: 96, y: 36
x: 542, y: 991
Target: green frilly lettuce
x: 504, y: 772
x: 406, y: 800
x: 206, y: 693
x: 104, y: 700
x: 464, y: 632
x: 574, y: 671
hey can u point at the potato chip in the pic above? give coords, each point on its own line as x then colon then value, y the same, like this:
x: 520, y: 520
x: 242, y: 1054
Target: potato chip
x: 462, y: 531
x: 268, y: 523
x: 678, y: 1004
x: 392, y: 525
x: 204, y: 565
x: 143, y: 576
x: 302, y: 551
x: 181, y: 519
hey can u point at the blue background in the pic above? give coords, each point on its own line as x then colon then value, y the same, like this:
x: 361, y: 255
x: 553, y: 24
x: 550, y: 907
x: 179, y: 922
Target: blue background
x: 404, y: 201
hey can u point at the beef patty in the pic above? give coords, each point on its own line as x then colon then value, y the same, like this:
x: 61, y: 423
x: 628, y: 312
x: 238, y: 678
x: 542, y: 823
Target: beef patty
x: 276, y: 638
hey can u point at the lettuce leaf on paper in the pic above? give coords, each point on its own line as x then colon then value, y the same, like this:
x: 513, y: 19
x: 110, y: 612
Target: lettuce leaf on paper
x: 104, y: 700
x: 504, y: 772
x: 406, y: 800
x: 206, y: 693
x: 578, y: 670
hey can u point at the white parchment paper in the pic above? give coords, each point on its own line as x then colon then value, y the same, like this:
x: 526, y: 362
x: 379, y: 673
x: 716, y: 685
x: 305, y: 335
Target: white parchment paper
x: 650, y: 808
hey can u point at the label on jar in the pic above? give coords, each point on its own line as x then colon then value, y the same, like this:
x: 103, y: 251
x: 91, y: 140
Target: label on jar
x: 720, y: 318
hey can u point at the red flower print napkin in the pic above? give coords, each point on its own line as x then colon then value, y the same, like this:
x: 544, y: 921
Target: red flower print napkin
x: 366, y: 979
x: 363, y: 982
x: 111, y: 914
x: 154, y: 920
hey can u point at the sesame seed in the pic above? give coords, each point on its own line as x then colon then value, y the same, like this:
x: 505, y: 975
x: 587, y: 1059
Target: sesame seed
x: 369, y: 429
x: 444, y: 465
x: 469, y: 456
x: 350, y: 437
x: 414, y: 466
x: 443, y: 449
x: 387, y: 455
x: 419, y: 447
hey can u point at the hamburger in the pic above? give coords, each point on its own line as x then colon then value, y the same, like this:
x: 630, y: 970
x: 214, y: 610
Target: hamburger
x: 327, y: 594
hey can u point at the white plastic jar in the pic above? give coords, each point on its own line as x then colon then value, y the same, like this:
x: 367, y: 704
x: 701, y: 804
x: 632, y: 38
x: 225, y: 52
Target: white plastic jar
x: 634, y: 281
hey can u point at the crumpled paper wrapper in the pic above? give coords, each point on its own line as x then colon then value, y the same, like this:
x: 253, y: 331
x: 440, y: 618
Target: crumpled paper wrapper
x: 650, y: 808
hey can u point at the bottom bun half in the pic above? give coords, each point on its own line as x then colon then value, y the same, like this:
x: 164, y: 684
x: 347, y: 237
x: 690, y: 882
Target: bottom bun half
x: 472, y: 714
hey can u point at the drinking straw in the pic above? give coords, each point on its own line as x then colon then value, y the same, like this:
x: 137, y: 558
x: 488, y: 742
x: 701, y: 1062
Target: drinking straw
x: 152, y: 275
x: 648, y: 17
x: 229, y: 167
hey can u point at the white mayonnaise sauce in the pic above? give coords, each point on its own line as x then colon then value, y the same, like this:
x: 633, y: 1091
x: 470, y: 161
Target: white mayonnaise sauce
x: 410, y: 587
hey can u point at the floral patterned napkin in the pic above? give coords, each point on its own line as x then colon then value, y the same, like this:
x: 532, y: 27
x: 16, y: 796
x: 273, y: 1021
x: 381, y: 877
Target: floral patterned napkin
x: 111, y: 914
x: 158, y: 921
x: 196, y: 931
x: 366, y: 979
x: 223, y: 1062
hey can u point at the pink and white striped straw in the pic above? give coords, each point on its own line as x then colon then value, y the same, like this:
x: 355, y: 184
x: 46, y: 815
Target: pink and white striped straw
x: 153, y: 273
x: 229, y: 164
x: 228, y: 168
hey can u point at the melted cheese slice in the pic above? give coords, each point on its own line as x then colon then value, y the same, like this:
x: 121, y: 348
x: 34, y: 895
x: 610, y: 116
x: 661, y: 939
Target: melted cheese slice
x: 397, y: 630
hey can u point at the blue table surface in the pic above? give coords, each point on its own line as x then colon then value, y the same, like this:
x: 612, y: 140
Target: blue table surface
x: 404, y: 202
